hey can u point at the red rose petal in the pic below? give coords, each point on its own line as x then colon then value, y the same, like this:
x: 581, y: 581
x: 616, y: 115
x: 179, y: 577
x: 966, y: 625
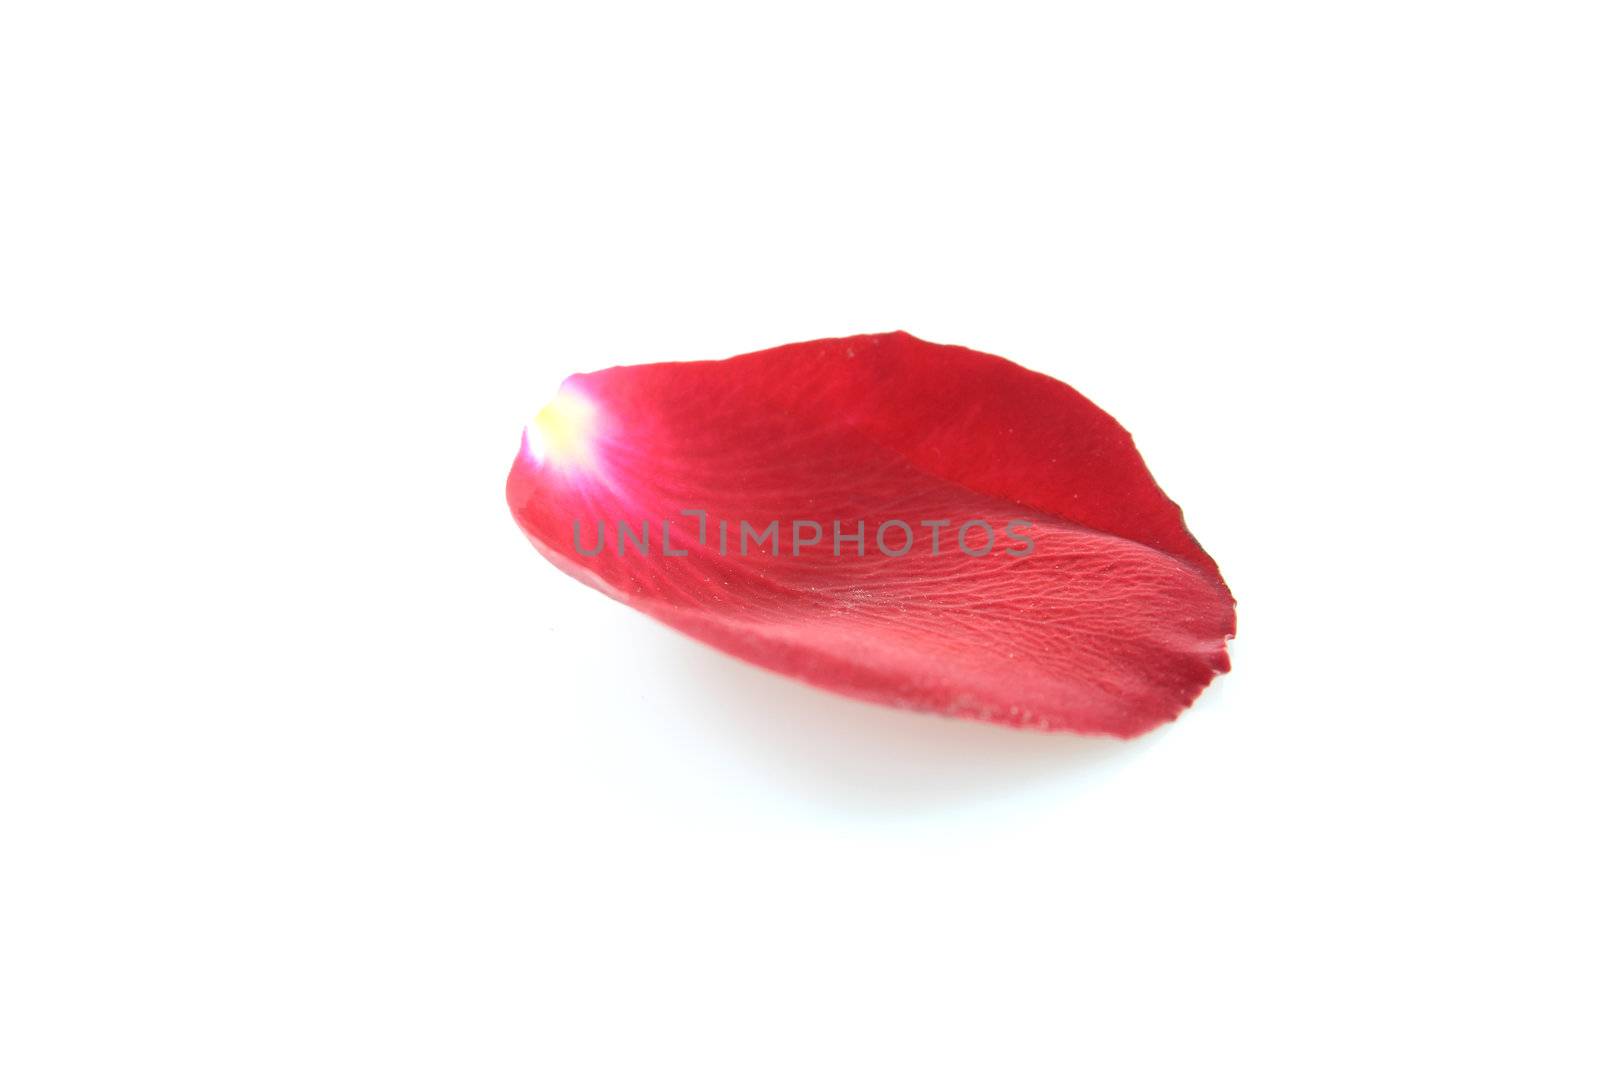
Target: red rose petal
x: 1113, y: 622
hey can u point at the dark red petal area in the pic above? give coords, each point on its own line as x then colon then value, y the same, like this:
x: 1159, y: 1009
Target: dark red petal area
x: 1112, y: 622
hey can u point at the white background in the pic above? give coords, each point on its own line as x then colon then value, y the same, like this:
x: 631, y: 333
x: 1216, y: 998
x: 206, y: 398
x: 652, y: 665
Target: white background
x: 308, y: 757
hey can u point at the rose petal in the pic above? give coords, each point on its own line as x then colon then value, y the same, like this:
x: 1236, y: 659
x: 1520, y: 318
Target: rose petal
x: 1112, y: 622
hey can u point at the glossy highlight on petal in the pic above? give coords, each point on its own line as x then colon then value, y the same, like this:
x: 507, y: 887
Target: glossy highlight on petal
x: 920, y: 525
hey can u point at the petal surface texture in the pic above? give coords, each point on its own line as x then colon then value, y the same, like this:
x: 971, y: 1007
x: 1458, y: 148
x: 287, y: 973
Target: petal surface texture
x: 1090, y: 608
